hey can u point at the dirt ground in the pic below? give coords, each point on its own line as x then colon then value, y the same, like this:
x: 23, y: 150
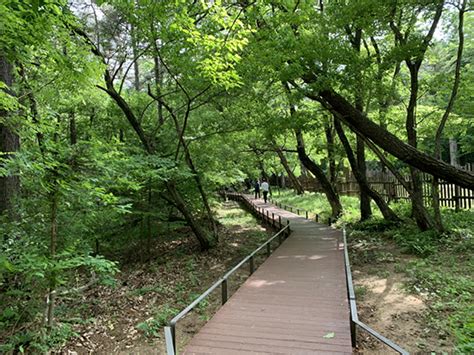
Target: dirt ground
x: 385, y: 305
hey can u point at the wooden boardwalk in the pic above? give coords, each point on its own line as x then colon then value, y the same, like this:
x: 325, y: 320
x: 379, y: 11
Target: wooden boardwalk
x: 294, y: 303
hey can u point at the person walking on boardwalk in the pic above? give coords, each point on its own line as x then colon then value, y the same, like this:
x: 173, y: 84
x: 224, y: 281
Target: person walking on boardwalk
x: 257, y: 189
x: 265, y: 190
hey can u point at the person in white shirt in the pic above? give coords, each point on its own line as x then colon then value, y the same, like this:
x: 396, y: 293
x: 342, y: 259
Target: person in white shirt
x: 265, y: 188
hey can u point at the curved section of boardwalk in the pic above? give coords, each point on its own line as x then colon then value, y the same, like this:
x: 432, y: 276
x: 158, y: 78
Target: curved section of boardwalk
x: 295, y: 303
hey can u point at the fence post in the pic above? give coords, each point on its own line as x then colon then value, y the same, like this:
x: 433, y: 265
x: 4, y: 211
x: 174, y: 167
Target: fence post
x: 279, y: 223
x: 306, y: 214
x: 269, y: 250
x: 273, y: 220
x: 457, y: 193
x: 317, y: 218
x: 252, y: 265
x: 224, y: 291
x: 288, y: 230
x: 298, y: 211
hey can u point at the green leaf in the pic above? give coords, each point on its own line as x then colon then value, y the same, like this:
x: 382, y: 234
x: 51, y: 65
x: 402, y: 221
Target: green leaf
x: 329, y: 335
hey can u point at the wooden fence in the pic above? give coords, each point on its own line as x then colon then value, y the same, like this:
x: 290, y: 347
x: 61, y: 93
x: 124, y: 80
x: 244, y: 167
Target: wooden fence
x: 390, y: 188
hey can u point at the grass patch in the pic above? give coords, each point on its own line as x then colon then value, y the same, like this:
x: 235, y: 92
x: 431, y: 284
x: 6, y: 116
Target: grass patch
x: 316, y: 203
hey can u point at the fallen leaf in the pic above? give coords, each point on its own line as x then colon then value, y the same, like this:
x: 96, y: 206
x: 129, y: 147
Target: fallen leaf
x: 329, y: 335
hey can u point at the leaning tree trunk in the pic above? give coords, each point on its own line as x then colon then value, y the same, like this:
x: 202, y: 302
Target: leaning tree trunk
x: 398, y: 176
x: 146, y: 142
x: 361, y: 179
x: 294, y: 180
x: 9, y: 144
x: 195, y: 226
x: 197, y: 179
x: 359, y: 123
x: 150, y: 149
x: 331, y: 193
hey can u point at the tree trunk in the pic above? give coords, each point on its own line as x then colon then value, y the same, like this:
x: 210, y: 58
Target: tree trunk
x: 205, y: 201
x: 51, y: 299
x: 150, y: 149
x: 365, y: 209
x: 136, y: 68
x: 196, y: 176
x: 409, y: 187
x: 147, y: 144
x: 329, y: 130
x: 422, y: 218
x: 439, y: 132
x: 359, y: 123
x: 383, y: 206
x: 72, y: 128
x: 195, y: 226
x: 331, y: 193
x: 157, y: 70
x: 294, y: 180
x: 9, y: 145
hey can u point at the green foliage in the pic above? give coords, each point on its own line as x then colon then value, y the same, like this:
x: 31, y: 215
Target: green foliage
x: 152, y: 327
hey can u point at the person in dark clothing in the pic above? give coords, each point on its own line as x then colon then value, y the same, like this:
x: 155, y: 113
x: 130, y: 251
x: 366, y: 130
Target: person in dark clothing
x: 257, y: 189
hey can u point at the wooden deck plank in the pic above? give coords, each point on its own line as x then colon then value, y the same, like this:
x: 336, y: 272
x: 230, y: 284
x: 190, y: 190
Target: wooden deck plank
x: 294, y: 299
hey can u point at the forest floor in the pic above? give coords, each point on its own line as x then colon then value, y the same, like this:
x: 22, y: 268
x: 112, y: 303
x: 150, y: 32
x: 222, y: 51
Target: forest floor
x: 129, y: 317
x: 385, y: 304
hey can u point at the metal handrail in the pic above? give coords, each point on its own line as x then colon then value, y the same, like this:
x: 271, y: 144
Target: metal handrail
x: 353, y: 307
x: 170, y: 330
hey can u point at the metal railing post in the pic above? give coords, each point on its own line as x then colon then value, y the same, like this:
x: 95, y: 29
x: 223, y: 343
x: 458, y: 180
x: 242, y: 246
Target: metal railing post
x: 273, y: 220
x: 353, y: 332
x: 298, y: 211
x: 317, y: 218
x: 269, y: 250
x: 224, y: 291
x: 306, y: 214
x: 173, y: 336
x: 252, y: 265
x: 279, y: 223
x: 170, y: 348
